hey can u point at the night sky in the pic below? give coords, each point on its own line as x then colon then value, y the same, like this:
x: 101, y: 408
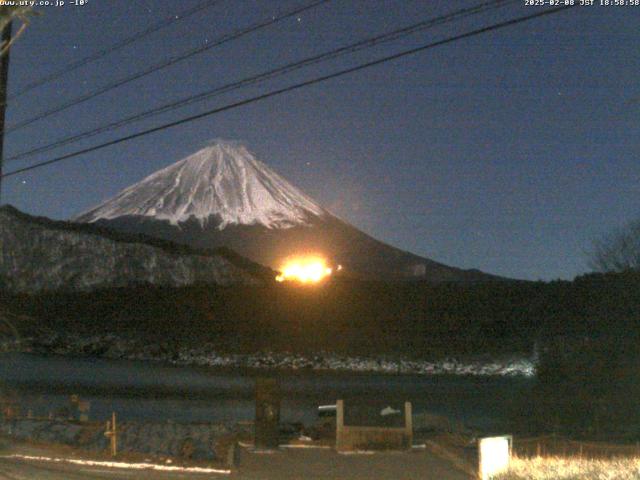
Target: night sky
x: 509, y: 152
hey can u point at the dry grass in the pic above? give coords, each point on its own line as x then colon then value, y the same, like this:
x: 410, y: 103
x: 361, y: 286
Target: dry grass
x: 556, y: 468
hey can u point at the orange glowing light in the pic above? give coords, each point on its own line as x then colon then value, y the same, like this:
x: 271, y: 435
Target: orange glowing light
x: 305, y: 270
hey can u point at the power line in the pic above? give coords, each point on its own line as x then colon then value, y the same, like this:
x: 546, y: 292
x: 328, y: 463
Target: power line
x: 268, y: 75
x: 166, y: 63
x: 70, y: 67
x: 290, y: 88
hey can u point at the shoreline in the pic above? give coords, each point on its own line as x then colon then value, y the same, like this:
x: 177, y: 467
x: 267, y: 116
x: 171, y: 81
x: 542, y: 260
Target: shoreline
x: 207, y: 358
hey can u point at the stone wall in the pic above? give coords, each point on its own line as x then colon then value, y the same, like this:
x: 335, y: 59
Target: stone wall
x: 192, y: 441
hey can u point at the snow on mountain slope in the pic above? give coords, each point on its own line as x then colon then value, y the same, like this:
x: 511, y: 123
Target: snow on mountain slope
x: 223, y: 180
x: 221, y: 196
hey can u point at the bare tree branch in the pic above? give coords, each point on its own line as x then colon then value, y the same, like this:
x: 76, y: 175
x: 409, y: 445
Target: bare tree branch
x: 619, y: 251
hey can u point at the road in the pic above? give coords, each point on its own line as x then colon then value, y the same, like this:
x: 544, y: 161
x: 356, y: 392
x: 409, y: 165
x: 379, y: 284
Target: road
x: 326, y: 464
x: 11, y: 469
x: 284, y: 464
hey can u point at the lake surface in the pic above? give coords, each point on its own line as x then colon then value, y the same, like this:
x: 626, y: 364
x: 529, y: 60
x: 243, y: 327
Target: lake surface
x: 146, y: 391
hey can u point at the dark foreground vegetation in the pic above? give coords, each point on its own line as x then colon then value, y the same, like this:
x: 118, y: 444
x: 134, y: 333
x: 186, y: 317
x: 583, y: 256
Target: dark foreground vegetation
x: 585, y: 331
x: 343, y: 316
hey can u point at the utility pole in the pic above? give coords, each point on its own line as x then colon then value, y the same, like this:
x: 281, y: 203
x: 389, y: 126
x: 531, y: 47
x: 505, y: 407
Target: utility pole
x: 4, y: 76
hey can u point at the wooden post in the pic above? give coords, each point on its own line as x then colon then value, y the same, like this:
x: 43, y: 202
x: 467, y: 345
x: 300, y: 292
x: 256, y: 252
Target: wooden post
x: 267, y: 421
x: 408, y: 423
x: 84, y: 406
x: 339, y: 424
x: 114, y: 437
x: 233, y: 455
x: 112, y: 433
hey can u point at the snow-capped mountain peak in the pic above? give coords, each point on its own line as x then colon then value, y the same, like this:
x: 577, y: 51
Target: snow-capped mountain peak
x: 222, y: 181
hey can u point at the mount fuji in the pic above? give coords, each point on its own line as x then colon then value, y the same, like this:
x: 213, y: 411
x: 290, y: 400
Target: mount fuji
x: 223, y: 196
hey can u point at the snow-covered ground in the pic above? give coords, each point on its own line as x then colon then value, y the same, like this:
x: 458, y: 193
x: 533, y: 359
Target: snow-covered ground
x: 113, y: 347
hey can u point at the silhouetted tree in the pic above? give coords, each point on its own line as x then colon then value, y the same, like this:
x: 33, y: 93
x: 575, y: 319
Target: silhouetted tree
x: 619, y: 251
